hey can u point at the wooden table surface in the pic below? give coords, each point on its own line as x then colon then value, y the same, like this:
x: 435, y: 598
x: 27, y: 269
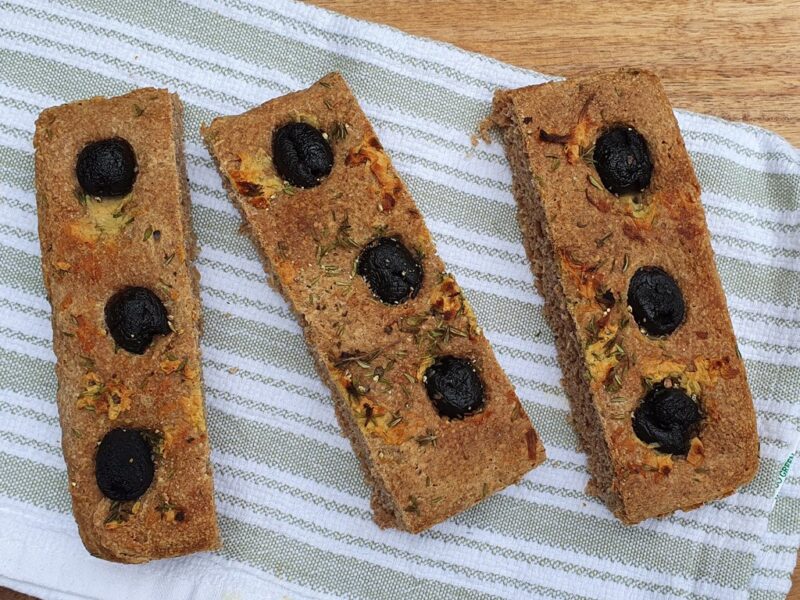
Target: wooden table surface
x: 734, y: 59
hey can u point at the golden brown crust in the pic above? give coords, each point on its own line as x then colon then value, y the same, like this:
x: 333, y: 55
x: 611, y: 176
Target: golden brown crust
x: 90, y: 250
x: 423, y: 468
x: 583, y: 240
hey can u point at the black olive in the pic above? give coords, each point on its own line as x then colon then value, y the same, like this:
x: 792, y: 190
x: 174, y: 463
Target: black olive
x: 301, y: 155
x: 622, y: 160
x: 390, y: 270
x: 454, y: 387
x: 656, y: 301
x: 668, y: 417
x: 107, y: 168
x: 134, y: 315
x: 124, y: 465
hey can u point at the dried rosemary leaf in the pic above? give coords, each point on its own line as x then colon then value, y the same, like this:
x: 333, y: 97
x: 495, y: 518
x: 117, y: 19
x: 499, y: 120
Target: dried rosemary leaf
x: 595, y: 183
x: 394, y: 421
x: 591, y: 328
x: 587, y: 156
x: 80, y: 196
x: 363, y: 360
x: 165, y: 507
x: 339, y: 131
x: 599, y: 242
x: 155, y: 439
x: 428, y: 439
x: 119, y: 512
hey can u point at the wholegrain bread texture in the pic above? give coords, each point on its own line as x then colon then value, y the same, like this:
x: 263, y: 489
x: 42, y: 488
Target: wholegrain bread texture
x: 582, y: 241
x: 422, y: 467
x: 90, y: 250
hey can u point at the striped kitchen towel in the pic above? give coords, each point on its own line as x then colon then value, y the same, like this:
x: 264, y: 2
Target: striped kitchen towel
x: 293, y: 508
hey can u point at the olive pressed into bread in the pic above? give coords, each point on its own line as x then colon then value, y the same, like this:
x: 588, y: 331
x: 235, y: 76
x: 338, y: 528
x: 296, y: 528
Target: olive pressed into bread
x: 117, y: 247
x: 610, y: 212
x: 415, y: 382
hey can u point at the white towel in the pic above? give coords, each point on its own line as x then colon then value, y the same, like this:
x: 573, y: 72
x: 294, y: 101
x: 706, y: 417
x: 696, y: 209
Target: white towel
x: 293, y: 507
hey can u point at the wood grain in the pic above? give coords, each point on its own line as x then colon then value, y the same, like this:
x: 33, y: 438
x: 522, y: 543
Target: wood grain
x: 734, y: 59
x: 6, y: 594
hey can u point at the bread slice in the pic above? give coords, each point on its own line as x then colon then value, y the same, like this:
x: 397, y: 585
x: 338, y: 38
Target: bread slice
x: 423, y: 466
x: 93, y: 247
x: 586, y: 244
